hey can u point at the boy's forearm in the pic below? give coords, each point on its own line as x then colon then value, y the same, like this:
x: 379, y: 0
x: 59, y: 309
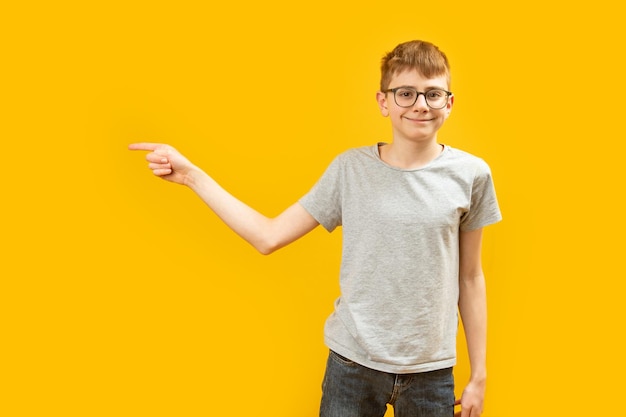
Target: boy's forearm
x: 473, y: 309
x: 242, y: 219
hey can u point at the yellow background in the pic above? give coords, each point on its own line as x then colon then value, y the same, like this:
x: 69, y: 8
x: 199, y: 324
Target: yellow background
x: 122, y: 295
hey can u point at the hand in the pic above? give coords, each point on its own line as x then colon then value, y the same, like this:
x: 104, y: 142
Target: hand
x: 165, y: 162
x: 471, y: 401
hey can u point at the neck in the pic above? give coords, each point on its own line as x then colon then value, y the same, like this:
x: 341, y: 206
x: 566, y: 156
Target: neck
x: 410, y: 155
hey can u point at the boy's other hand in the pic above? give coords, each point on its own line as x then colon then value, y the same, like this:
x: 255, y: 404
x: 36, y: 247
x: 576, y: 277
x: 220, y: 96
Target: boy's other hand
x: 468, y: 408
x: 165, y: 161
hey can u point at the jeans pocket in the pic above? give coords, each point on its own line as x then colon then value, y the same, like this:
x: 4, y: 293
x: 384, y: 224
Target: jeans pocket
x: 341, y: 359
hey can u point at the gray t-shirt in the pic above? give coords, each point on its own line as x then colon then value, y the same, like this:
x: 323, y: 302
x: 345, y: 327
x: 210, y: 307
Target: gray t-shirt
x: 400, y: 263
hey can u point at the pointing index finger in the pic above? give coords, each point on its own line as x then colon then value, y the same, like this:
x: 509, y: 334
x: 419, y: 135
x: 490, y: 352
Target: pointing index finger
x: 144, y: 146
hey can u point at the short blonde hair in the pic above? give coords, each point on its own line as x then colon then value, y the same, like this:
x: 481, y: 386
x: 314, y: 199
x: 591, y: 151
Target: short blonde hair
x: 422, y: 56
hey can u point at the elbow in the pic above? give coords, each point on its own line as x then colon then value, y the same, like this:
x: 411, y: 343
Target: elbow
x: 267, y: 247
x: 265, y: 250
x: 269, y: 240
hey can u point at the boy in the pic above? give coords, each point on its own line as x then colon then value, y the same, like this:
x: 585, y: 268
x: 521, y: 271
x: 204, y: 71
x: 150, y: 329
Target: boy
x: 412, y: 213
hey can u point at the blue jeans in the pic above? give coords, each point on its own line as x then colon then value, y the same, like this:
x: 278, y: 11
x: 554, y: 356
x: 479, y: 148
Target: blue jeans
x: 352, y: 390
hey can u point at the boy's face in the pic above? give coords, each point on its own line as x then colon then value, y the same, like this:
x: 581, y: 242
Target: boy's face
x: 418, y: 123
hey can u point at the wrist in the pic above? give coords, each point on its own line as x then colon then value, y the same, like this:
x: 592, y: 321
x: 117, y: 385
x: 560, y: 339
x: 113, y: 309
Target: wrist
x: 193, y: 177
x: 478, y: 379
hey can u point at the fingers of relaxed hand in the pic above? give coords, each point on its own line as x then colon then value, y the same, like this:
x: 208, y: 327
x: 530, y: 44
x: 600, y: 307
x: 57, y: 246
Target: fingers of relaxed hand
x: 468, y: 410
x: 471, y: 411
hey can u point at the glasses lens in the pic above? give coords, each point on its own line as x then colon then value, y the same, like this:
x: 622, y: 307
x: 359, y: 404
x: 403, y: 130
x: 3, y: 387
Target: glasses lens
x: 437, y: 99
x: 405, y: 97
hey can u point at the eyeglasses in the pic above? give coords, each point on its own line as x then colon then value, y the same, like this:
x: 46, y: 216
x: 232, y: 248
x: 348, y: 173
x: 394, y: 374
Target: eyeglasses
x: 407, y: 97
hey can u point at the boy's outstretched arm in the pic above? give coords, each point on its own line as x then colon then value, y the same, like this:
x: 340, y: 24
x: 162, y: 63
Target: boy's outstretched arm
x: 264, y: 233
x: 473, y: 309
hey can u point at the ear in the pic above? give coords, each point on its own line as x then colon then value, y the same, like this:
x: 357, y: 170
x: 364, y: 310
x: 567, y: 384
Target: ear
x: 381, y: 98
x: 449, y: 105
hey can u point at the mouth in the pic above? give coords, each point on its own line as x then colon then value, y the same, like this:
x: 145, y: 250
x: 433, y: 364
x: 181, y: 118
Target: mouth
x: 419, y: 120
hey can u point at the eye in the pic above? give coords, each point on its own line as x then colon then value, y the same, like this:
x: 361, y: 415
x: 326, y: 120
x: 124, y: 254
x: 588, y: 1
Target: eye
x: 405, y: 93
x: 435, y: 94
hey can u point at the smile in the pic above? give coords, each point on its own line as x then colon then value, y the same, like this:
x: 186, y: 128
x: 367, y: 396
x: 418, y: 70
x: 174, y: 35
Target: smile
x: 419, y: 120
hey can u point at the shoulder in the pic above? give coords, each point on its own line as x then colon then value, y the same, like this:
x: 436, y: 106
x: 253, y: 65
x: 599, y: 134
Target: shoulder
x: 358, y: 152
x: 356, y: 155
x: 462, y: 160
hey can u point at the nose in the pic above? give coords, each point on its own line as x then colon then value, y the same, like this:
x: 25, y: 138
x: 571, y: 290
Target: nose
x: 420, y: 103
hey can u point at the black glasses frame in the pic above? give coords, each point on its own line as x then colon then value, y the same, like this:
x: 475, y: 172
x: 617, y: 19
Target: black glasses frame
x: 417, y: 95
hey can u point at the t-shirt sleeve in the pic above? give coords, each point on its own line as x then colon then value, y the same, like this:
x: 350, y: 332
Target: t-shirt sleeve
x: 323, y: 201
x: 484, y: 209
